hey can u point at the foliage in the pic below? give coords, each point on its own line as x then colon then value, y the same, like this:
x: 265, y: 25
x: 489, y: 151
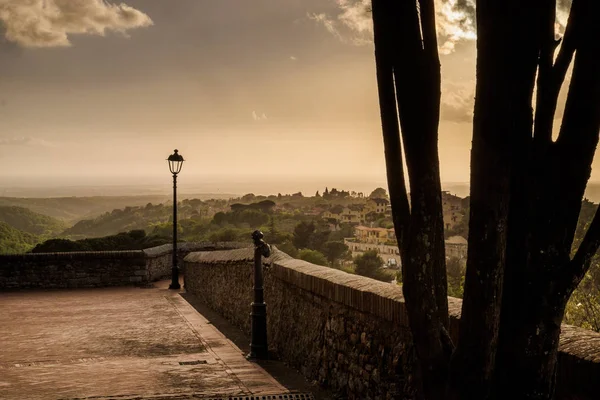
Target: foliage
x: 230, y: 235
x: 312, y: 256
x: 335, y: 194
x: 461, y: 228
x: 379, y: 193
x: 252, y: 217
x: 335, y: 251
x: 31, y: 222
x: 288, y: 248
x: 456, y: 276
x: 132, y: 240
x: 370, y: 264
x: 583, y: 308
x: 336, y: 209
x: 73, y: 209
x: 302, y: 234
x: 266, y: 206
x: 118, y: 220
x: 344, y: 231
x: 15, y: 241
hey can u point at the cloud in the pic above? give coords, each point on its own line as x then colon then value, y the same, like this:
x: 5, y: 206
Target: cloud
x: 293, y: 58
x: 455, y: 20
x: 327, y: 22
x: 352, y: 24
x: 458, y: 101
x: 25, y: 141
x: 257, y: 117
x: 49, y: 23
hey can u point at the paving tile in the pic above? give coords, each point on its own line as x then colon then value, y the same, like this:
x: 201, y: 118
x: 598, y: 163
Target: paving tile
x: 117, y: 342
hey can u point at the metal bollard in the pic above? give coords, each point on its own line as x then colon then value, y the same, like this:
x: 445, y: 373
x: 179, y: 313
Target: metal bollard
x: 258, y: 346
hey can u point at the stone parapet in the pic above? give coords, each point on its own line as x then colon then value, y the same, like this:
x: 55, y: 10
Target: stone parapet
x: 348, y: 332
x: 94, y: 268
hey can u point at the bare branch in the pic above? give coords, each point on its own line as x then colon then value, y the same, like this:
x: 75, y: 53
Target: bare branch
x: 389, y: 122
x: 428, y: 27
x: 581, y: 262
x: 551, y: 77
x: 578, y: 137
x: 544, y: 113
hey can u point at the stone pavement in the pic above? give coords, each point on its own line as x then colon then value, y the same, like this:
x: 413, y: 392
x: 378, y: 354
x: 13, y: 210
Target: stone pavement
x: 118, y: 343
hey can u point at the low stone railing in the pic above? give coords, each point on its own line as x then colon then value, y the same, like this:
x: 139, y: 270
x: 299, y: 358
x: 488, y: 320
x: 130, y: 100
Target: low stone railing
x: 348, y: 332
x: 95, y: 268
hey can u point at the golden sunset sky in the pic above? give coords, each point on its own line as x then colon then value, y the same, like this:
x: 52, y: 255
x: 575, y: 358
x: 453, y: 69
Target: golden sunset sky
x: 93, y: 90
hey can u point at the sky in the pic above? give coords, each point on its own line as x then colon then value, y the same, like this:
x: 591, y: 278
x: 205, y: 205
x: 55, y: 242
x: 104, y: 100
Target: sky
x: 95, y: 91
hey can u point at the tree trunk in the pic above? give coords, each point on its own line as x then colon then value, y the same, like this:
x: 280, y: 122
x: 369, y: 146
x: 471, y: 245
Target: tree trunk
x: 507, y: 52
x: 526, y: 190
x: 546, y: 276
x: 408, y: 76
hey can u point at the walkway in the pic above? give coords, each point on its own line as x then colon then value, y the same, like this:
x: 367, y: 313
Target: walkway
x: 118, y: 343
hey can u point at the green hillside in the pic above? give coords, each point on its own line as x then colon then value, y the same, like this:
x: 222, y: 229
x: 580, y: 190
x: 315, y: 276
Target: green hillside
x: 31, y: 222
x: 127, y: 219
x: 133, y: 218
x: 73, y: 209
x: 133, y: 240
x: 15, y: 241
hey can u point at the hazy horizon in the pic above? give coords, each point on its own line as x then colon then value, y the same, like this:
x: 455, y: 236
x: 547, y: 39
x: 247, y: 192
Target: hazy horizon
x: 192, y: 184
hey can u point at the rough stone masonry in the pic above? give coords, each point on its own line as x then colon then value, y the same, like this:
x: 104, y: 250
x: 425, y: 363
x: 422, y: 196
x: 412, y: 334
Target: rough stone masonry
x: 348, y: 332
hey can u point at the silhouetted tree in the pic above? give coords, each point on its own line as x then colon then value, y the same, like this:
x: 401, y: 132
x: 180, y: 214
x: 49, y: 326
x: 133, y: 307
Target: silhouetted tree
x: 302, y: 234
x: 335, y: 251
x: 379, y: 193
x: 312, y: 256
x: 526, y: 189
x: 408, y: 79
x: 368, y: 264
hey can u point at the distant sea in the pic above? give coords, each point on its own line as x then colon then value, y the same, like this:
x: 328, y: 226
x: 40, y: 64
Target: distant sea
x: 210, y: 186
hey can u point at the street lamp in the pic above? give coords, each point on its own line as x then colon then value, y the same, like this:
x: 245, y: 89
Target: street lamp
x: 259, y: 348
x: 175, y: 161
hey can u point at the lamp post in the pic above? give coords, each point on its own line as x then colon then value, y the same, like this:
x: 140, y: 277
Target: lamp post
x: 258, y: 346
x: 175, y: 161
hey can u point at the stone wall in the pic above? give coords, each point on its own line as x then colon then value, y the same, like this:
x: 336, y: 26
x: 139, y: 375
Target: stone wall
x: 348, y: 332
x: 94, y: 268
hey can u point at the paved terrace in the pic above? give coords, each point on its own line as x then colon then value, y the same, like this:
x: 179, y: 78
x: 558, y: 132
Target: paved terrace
x: 119, y: 343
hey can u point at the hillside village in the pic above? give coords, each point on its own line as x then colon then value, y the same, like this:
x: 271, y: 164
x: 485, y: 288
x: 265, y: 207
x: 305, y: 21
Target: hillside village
x: 361, y: 222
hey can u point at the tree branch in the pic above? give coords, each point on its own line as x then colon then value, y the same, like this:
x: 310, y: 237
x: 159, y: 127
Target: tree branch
x: 578, y: 137
x: 546, y: 96
x: 582, y: 259
x: 428, y: 27
x: 389, y: 120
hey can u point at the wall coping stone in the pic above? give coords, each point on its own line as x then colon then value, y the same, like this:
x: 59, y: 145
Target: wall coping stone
x: 191, y: 246
x: 151, y: 252
x: 73, y: 255
x: 371, y: 296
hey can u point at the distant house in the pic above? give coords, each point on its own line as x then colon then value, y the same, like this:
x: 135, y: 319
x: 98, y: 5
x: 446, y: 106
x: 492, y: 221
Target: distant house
x: 389, y: 253
x: 384, y: 241
x: 364, y: 234
x: 351, y: 214
x: 452, y: 208
x: 456, y: 247
x: 378, y: 205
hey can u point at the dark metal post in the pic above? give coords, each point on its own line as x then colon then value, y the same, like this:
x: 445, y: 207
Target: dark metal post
x: 175, y: 270
x: 258, y: 346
